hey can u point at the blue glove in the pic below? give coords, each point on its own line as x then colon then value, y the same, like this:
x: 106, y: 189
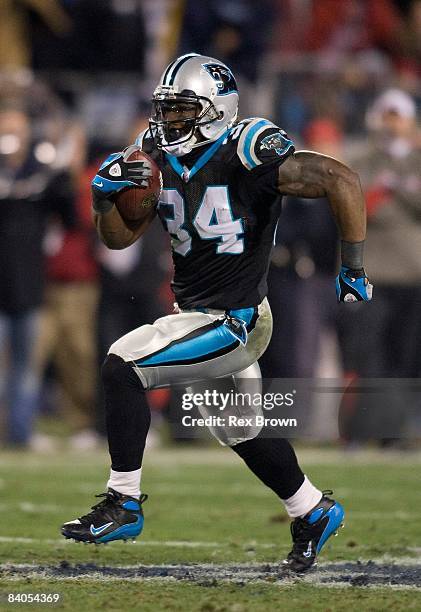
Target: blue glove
x: 353, y: 286
x: 117, y: 173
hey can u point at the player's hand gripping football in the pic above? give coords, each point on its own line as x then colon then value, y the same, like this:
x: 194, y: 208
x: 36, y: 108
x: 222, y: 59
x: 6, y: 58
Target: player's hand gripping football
x: 353, y: 286
x: 116, y: 173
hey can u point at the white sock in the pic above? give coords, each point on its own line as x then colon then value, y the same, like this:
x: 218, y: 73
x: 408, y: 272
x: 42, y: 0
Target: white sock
x: 303, y: 500
x: 127, y: 483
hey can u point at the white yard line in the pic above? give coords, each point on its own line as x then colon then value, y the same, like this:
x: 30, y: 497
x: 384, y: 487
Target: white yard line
x: 396, y: 574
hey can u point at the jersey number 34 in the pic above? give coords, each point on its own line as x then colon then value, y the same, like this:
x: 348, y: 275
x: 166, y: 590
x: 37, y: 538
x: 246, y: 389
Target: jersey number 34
x: 213, y: 221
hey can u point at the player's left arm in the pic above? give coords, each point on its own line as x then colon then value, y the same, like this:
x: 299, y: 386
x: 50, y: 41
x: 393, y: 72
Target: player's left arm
x: 312, y: 175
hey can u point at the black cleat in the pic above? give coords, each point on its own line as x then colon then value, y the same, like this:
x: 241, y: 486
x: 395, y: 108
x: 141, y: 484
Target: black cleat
x: 117, y: 517
x: 310, y: 533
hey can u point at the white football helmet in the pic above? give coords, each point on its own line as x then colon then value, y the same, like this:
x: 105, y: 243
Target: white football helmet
x: 207, y: 88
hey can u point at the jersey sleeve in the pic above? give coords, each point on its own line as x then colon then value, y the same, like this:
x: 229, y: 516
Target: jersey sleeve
x: 141, y: 137
x: 262, y: 145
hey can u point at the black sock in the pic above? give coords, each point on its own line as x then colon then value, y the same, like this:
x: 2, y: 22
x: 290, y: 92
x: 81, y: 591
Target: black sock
x: 127, y: 414
x: 273, y: 460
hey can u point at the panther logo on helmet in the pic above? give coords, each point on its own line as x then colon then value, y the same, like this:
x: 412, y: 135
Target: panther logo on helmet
x: 224, y: 78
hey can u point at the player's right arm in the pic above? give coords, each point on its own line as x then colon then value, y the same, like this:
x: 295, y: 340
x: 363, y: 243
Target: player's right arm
x: 114, y: 231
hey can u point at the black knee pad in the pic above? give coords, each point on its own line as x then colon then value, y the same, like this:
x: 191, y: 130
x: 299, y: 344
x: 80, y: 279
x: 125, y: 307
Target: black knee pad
x: 115, y: 372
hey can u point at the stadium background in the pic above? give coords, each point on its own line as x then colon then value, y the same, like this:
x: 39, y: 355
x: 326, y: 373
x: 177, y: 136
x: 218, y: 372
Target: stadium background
x: 76, y: 78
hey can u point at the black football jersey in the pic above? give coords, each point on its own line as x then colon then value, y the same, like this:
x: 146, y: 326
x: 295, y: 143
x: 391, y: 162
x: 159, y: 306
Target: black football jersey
x: 220, y: 206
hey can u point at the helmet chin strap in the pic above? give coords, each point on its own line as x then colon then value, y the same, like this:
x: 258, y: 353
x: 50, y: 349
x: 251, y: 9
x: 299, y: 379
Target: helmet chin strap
x: 179, y: 149
x: 184, y: 147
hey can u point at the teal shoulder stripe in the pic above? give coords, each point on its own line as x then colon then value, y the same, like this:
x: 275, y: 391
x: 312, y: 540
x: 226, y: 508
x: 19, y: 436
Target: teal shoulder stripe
x: 245, y: 144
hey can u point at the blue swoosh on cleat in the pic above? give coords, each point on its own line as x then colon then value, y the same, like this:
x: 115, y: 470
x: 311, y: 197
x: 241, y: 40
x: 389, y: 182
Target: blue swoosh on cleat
x: 98, y: 530
x: 335, y: 514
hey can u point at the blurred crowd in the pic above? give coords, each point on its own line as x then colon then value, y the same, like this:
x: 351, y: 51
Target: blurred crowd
x: 342, y: 77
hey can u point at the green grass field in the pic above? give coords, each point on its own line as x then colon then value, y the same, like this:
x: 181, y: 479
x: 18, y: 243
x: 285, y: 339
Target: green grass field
x: 206, y: 508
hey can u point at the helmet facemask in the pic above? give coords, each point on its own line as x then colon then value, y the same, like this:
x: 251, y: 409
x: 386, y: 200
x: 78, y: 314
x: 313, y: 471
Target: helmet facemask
x: 177, y: 117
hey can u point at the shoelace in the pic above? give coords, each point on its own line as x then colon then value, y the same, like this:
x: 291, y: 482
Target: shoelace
x: 110, y: 499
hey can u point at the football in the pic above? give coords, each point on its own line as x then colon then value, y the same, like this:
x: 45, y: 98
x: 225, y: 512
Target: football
x: 137, y: 203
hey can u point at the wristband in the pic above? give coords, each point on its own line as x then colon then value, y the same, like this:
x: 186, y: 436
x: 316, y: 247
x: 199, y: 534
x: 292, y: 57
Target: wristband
x: 352, y: 254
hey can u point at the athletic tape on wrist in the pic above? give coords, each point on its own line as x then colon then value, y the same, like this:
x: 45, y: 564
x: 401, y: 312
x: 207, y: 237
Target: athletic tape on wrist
x: 352, y: 254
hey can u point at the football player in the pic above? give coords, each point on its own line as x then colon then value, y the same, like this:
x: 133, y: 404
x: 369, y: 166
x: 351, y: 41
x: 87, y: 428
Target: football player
x: 222, y: 185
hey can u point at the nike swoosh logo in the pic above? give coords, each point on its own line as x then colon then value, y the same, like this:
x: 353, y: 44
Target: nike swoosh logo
x: 97, y: 530
x: 101, y: 184
x: 308, y: 551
